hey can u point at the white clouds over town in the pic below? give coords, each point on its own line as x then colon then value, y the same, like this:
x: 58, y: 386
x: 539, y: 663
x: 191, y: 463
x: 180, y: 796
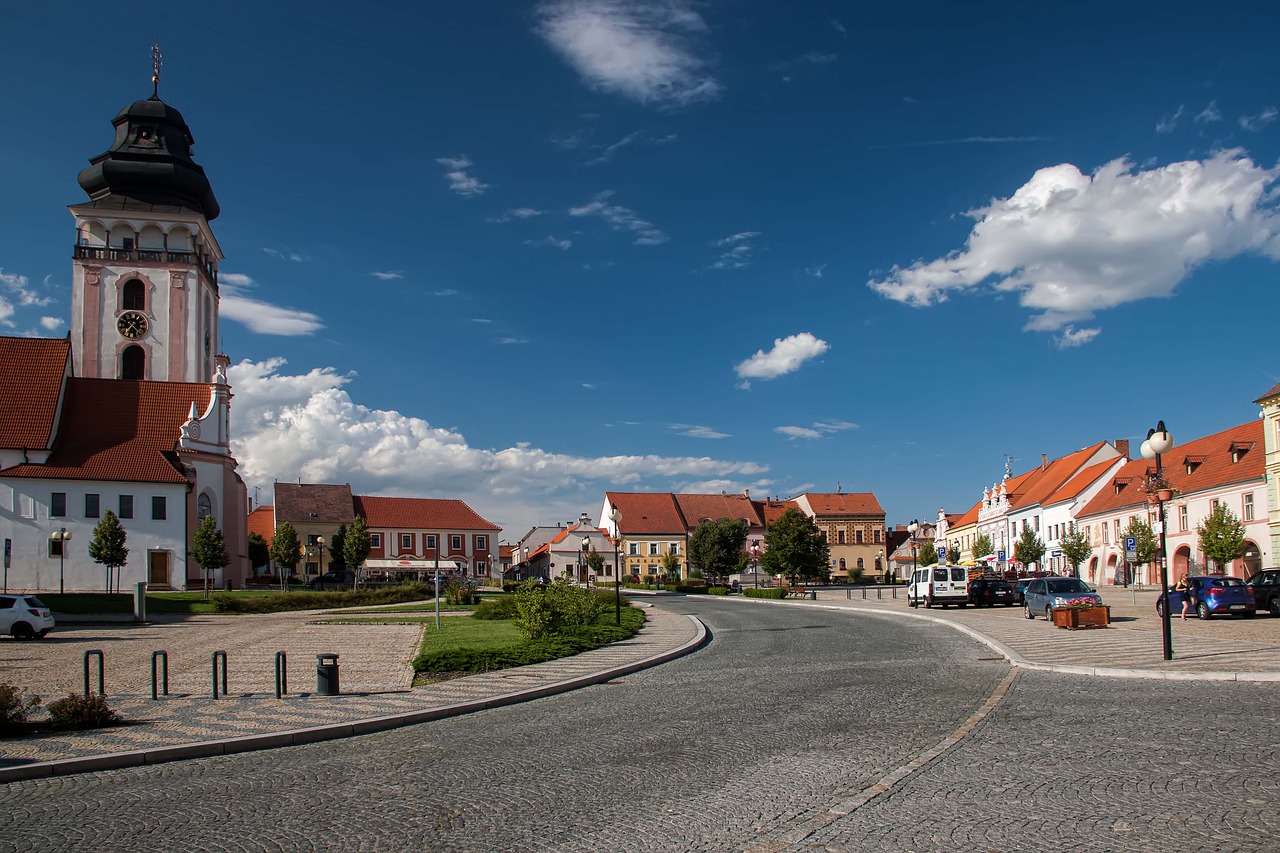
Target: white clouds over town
x: 460, y: 180
x: 621, y: 218
x: 788, y: 355
x: 259, y: 316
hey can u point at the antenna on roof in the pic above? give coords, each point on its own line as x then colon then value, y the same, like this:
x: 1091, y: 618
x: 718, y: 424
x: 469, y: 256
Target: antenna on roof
x: 1008, y: 466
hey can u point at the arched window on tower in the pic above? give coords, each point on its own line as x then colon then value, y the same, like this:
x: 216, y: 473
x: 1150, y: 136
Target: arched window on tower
x: 204, y: 506
x: 133, y: 363
x: 134, y: 296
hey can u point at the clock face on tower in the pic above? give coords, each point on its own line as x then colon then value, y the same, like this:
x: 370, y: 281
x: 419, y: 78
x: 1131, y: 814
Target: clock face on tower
x: 132, y: 325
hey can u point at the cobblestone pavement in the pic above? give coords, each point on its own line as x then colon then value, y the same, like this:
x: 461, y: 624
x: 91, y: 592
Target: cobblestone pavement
x: 796, y: 729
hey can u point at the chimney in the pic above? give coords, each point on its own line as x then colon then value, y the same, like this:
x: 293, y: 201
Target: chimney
x: 1122, y: 444
x: 746, y: 493
x: 1044, y: 461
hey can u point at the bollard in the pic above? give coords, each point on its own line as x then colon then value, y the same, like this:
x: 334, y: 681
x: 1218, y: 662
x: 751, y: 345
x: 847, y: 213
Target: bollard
x: 864, y: 593
x: 97, y: 652
x: 327, y: 675
x: 813, y: 595
x: 163, y: 658
x: 282, y: 674
x: 219, y: 655
x: 140, y: 602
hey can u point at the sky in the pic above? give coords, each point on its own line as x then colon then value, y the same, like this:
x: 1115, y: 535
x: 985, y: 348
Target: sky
x: 522, y: 253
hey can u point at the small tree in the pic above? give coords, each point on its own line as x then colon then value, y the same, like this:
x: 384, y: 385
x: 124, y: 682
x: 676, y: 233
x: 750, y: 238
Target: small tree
x: 107, y: 546
x: 794, y: 547
x: 1029, y: 548
x: 671, y: 566
x: 357, y: 544
x: 1076, y: 547
x: 982, y: 547
x: 715, y: 546
x: 208, y: 549
x: 286, y: 549
x: 1221, y: 536
x: 595, y: 562
x: 337, y: 545
x: 1148, y: 544
x: 259, y: 552
x: 928, y: 554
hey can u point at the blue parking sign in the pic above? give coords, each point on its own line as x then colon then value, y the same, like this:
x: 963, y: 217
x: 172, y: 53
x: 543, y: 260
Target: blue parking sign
x: 942, y: 552
x: 1000, y: 556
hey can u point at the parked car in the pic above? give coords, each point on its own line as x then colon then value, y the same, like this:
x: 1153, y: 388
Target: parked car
x: 25, y: 617
x: 988, y: 592
x: 1264, y: 586
x: 1213, y: 596
x: 333, y: 580
x: 1019, y: 587
x: 940, y: 585
x: 1044, y: 594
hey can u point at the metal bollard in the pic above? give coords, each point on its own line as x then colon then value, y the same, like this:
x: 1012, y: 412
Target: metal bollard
x: 97, y: 652
x: 219, y: 655
x: 282, y: 674
x: 163, y: 658
x: 327, y: 675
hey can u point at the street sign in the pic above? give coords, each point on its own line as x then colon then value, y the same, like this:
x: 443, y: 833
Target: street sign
x: 1000, y: 556
x: 942, y: 553
x: 1131, y: 543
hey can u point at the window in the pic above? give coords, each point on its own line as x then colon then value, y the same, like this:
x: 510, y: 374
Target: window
x: 482, y: 543
x: 55, y: 547
x: 133, y: 297
x: 159, y: 508
x: 876, y: 534
x: 633, y: 549
x: 406, y: 541
x: 27, y: 506
x: 1106, y: 536
x: 204, y: 506
x: 91, y: 506
x: 857, y: 536
x: 861, y: 565
x: 133, y: 363
x: 635, y: 568
x: 482, y: 568
x: 455, y: 542
x: 675, y: 548
x: 431, y: 541
x: 1117, y: 530
x: 1213, y: 504
x: 375, y: 540
x: 653, y: 549
x: 840, y: 537
x: 1035, y: 523
x: 126, y: 506
x: 1248, y: 507
x: 58, y: 505
x: 1182, y: 518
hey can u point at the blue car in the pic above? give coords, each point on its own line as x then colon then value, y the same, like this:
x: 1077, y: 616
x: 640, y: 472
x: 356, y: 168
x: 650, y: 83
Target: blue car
x: 1212, y: 596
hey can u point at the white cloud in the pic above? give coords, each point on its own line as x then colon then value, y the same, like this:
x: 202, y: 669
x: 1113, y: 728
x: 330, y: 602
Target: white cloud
x: 788, y: 355
x: 821, y: 429
x: 461, y: 181
x: 563, y: 245
x: 52, y: 324
x: 511, y: 341
x: 1073, y: 337
x: 286, y: 255
x: 262, y: 317
x: 1209, y: 114
x: 621, y: 218
x: 1071, y: 244
x: 696, y: 431
x: 1259, y: 121
x: 307, y: 426
x: 517, y: 213
x: 448, y: 291
x: 839, y: 27
x: 834, y: 426
x: 19, y: 291
x: 1169, y: 122
x: 387, y: 276
x: 815, y: 271
x: 739, y: 253
x: 607, y: 152
x: 590, y: 386
x: 481, y: 320
x: 641, y: 49
x: 794, y: 432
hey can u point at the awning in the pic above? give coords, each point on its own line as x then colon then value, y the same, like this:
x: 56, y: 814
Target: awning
x: 408, y: 565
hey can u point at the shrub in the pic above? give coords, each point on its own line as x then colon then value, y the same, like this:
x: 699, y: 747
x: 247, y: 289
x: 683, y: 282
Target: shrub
x: 14, y: 709
x: 768, y: 592
x: 855, y: 576
x: 227, y: 603
x: 717, y: 590
x: 503, y: 607
x: 459, y: 591
x: 82, y: 712
x: 570, y: 642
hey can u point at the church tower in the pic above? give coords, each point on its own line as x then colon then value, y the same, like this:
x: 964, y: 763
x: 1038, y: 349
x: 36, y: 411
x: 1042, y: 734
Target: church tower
x: 144, y: 301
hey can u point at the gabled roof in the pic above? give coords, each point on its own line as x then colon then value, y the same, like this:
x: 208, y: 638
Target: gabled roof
x: 1077, y: 484
x: 117, y: 429
x: 771, y: 510
x: 313, y: 503
x: 1053, y: 475
x: 648, y: 513
x: 1270, y: 395
x: 694, y: 508
x: 1216, y: 471
x: 262, y: 521
x: 31, y: 371
x: 419, y: 514
x: 842, y: 503
x: 970, y: 517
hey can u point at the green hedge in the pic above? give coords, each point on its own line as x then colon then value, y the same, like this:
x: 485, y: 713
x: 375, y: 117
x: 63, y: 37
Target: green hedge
x: 227, y: 603
x: 717, y: 590
x: 774, y: 592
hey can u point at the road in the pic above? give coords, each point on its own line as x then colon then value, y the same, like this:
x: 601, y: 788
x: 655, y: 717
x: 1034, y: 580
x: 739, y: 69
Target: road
x: 792, y: 730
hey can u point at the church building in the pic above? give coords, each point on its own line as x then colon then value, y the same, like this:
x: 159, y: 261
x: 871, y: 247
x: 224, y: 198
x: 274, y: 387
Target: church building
x: 131, y: 412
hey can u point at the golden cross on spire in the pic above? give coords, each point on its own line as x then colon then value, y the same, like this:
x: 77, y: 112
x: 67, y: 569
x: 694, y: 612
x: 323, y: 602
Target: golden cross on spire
x: 156, y: 62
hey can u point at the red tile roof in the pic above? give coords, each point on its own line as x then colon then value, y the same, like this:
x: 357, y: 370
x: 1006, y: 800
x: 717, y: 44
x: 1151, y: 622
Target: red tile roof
x: 771, y: 510
x: 843, y: 503
x: 970, y: 517
x: 1216, y: 471
x: 1274, y: 392
x: 313, y: 503
x: 694, y: 508
x: 115, y: 429
x: 1077, y: 484
x: 419, y: 514
x: 648, y: 513
x: 1055, y: 474
x: 31, y: 372
x: 262, y: 521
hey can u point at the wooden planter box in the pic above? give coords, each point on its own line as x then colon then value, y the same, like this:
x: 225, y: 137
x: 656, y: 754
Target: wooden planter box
x: 1073, y: 617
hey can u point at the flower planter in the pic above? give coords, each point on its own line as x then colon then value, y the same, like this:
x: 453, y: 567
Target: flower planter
x: 1081, y: 617
x: 1165, y: 494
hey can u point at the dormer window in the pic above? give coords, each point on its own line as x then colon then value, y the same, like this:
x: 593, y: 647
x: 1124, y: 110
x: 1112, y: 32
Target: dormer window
x: 1193, y: 462
x: 1239, y: 449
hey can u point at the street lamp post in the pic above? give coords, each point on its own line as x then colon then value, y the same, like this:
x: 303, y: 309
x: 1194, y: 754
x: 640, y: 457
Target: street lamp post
x: 912, y: 528
x: 884, y: 565
x: 755, y: 564
x: 1159, y: 442
x: 61, y: 536
x: 616, y: 517
x: 436, y: 552
x: 586, y: 578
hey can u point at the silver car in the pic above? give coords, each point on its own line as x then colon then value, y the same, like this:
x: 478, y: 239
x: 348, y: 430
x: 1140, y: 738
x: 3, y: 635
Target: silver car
x: 1044, y: 594
x: 24, y: 616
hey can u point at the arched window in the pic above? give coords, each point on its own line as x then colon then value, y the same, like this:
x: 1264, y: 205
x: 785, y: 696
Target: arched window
x: 842, y: 564
x: 133, y: 363
x: 134, y: 296
x: 204, y: 506
x: 861, y: 563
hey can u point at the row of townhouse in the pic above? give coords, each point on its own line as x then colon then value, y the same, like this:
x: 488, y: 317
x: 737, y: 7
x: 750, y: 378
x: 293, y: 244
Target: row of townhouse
x: 1099, y: 490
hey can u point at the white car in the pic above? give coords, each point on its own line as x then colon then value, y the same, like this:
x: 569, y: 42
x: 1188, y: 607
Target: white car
x: 24, y: 616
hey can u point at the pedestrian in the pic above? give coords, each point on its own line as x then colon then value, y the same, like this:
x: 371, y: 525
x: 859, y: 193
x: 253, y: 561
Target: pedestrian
x: 1184, y: 586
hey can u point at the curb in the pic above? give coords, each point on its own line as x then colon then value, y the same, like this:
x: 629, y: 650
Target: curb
x: 334, y: 731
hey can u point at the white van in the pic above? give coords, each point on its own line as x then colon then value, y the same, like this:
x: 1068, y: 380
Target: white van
x: 940, y: 585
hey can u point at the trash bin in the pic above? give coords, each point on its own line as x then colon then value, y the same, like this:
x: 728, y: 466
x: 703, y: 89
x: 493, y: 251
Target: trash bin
x: 327, y: 675
x: 230, y: 586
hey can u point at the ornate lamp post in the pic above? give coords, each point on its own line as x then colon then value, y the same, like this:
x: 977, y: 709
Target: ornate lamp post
x: 883, y: 564
x: 912, y: 528
x: 616, y: 517
x: 61, y: 536
x: 755, y: 563
x: 586, y: 566
x: 1159, y: 442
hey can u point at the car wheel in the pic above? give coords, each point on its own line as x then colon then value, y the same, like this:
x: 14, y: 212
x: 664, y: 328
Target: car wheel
x: 1160, y: 609
x: 928, y: 603
x: 1202, y: 610
x: 1275, y: 607
x: 22, y: 631
x: 1048, y: 613
x: 1026, y: 611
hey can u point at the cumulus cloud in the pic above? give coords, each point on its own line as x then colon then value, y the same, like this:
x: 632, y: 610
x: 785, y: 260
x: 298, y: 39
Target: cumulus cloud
x: 738, y: 250
x: 460, y: 180
x: 821, y: 429
x: 307, y: 426
x: 16, y: 292
x: 794, y: 432
x: 697, y: 431
x: 448, y: 291
x: 620, y: 218
x: 52, y: 324
x: 640, y: 49
x: 259, y: 316
x: 788, y: 355
x: 1071, y: 244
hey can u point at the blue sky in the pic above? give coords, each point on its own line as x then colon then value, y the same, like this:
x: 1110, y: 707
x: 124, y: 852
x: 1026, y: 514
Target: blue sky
x: 522, y: 253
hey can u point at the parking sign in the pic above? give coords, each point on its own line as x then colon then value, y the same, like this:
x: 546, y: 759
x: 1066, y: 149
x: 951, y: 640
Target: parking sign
x: 1131, y: 549
x: 1000, y: 556
x: 942, y: 553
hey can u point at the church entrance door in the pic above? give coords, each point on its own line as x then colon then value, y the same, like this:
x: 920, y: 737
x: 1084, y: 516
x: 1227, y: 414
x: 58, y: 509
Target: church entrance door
x: 158, y: 567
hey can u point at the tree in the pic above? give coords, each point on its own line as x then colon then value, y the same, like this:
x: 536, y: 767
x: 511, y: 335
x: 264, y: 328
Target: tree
x: 357, y: 545
x: 928, y: 555
x: 107, y: 546
x: 1028, y: 549
x: 208, y: 549
x: 337, y: 545
x: 1221, y: 536
x: 982, y: 547
x: 286, y: 548
x: 671, y: 565
x: 715, y: 546
x: 1076, y: 547
x: 259, y: 552
x: 1148, y: 543
x: 595, y: 562
x: 794, y: 547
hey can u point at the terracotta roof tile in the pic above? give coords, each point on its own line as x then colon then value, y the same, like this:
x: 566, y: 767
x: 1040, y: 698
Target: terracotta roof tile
x: 113, y: 429
x: 1054, y: 475
x: 771, y: 510
x: 970, y: 517
x: 843, y: 503
x: 652, y: 513
x: 1273, y: 393
x: 313, y: 503
x: 262, y: 521
x: 419, y: 514
x: 694, y: 508
x: 1077, y: 484
x: 31, y: 372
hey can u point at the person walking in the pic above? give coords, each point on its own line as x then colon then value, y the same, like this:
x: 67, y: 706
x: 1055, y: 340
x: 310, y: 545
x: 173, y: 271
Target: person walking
x: 1184, y: 586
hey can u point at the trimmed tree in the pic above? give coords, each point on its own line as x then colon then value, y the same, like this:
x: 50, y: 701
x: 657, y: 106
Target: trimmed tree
x: 107, y: 546
x: 1029, y: 548
x: 795, y: 548
x: 715, y: 546
x: 671, y: 566
x: 337, y: 544
x: 259, y: 552
x: 1076, y: 547
x: 357, y: 545
x: 928, y: 554
x: 286, y: 549
x: 1147, y: 541
x: 982, y: 547
x: 1221, y: 536
x: 208, y: 549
